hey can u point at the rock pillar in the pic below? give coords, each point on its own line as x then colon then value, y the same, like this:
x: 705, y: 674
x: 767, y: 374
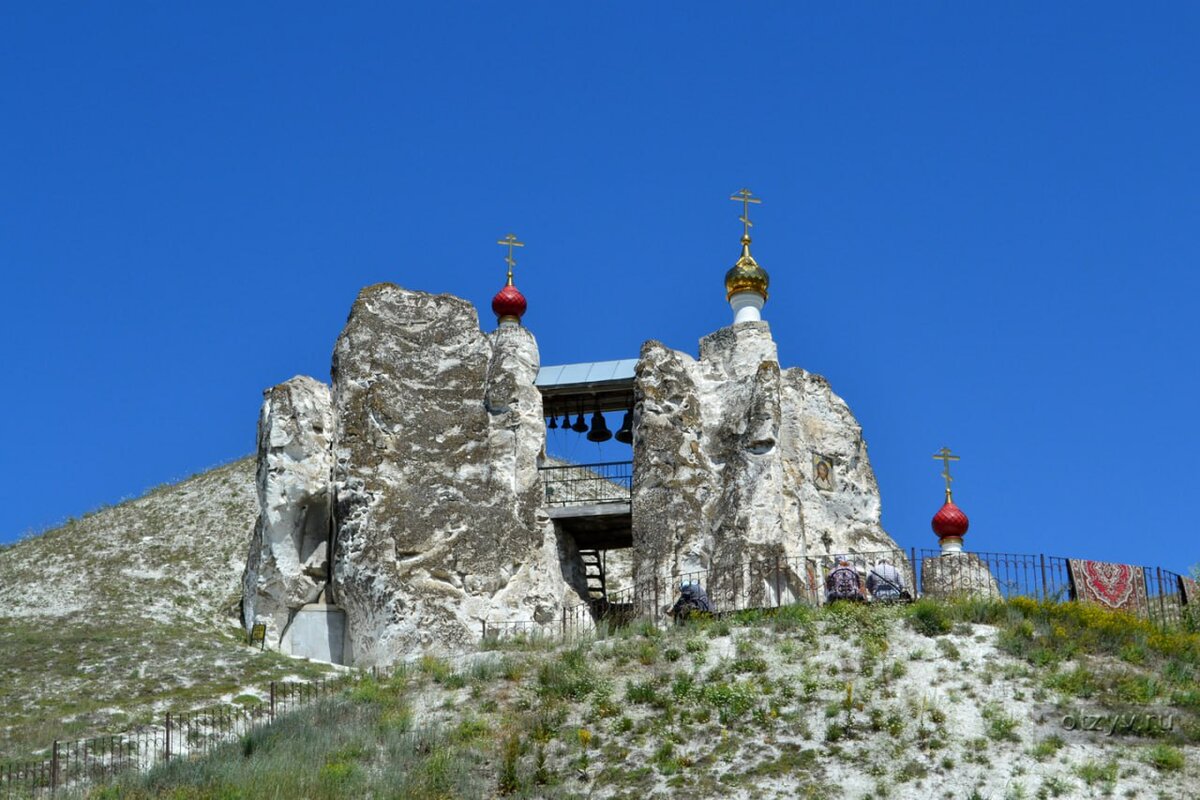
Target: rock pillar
x: 439, y: 519
x: 726, y: 456
x: 287, y: 566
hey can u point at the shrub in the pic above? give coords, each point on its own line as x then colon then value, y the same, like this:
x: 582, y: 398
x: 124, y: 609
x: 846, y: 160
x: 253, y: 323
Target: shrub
x: 1137, y: 689
x: 792, y: 617
x: 513, y: 668
x: 1001, y: 726
x: 509, y: 781
x: 1047, y: 748
x: 718, y: 629
x: 1079, y: 682
x: 752, y: 664
x: 647, y: 653
x: 732, y: 701
x: 1165, y: 758
x: 641, y: 692
x: 569, y: 678
x: 1094, y: 772
x: 930, y: 618
x: 435, y: 668
x: 682, y: 686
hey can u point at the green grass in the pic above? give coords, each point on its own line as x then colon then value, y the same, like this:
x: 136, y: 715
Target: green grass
x: 153, y: 663
x: 1104, y: 774
x: 1165, y: 758
x: 930, y: 617
x: 335, y: 749
x: 1047, y: 748
x: 602, y: 718
x: 148, y: 591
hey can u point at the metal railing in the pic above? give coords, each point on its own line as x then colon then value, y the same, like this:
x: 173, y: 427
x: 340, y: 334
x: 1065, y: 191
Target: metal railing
x: 78, y: 764
x: 771, y: 583
x: 583, y: 484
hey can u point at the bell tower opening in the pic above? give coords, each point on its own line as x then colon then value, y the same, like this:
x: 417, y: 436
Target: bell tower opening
x: 587, y: 473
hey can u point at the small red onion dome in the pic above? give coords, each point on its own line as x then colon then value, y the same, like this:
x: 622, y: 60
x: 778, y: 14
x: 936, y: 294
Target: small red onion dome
x: 950, y: 521
x: 509, y: 304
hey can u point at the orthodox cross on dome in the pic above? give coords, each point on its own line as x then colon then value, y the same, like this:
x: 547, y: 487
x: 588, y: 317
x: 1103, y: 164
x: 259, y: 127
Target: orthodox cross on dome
x: 945, y: 456
x: 511, y: 242
x: 745, y: 197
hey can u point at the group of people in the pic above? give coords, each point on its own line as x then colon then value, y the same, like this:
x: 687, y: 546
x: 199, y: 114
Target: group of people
x: 882, y: 583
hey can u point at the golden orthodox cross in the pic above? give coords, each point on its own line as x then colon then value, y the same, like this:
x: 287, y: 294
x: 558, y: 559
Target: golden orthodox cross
x: 745, y: 198
x: 945, y: 456
x: 511, y: 242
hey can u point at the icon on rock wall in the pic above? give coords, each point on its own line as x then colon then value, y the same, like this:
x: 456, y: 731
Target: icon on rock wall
x: 823, y: 472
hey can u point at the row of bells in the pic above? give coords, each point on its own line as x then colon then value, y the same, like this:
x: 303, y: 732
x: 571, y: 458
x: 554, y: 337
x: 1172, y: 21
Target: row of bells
x: 599, y: 431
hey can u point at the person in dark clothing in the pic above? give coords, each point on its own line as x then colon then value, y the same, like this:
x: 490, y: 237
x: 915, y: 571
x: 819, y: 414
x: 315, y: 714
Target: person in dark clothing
x: 692, y: 599
x: 843, y: 583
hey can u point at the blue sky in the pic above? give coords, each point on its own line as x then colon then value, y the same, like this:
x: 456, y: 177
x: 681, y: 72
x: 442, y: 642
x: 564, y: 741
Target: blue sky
x: 981, y: 221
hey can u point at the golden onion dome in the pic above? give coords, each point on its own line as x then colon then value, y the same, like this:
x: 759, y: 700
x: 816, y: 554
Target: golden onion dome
x: 746, y: 275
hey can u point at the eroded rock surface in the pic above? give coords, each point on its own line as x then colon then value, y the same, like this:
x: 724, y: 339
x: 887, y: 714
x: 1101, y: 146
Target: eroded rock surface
x: 287, y: 566
x: 960, y: 574
x: 440, y: 525
x: 726, y: 460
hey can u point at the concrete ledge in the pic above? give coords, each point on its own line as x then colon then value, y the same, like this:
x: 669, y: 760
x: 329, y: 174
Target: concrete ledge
x: 317, y: 631
x: 616, y: 508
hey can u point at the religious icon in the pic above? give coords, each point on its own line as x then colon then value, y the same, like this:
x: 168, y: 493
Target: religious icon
x: 823, y: 472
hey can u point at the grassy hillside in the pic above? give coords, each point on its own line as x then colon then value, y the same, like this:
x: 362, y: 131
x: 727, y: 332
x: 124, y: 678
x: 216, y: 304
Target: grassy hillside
x: 129, y: 611
x: 962, y: 700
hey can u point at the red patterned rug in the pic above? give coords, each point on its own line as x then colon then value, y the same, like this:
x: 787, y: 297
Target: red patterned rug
x: 1191, y: 591
x: 1121, y: 587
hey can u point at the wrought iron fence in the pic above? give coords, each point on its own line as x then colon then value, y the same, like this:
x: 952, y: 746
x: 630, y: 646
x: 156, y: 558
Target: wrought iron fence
x: 69, y: 766
x: 770, y: 583
x: 581, y: 484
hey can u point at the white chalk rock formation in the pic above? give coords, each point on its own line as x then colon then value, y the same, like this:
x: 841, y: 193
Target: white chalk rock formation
x: 287, y: 565
x: 957, y: 574
x: 728, y: 457
x: 439, y: 519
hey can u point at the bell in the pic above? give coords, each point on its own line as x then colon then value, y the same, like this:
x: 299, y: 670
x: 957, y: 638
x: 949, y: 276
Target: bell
x: 566, y: 423
x: 599, y: 431
x: 553, y: 422
x: 625, y: 434
x: 580, y: 426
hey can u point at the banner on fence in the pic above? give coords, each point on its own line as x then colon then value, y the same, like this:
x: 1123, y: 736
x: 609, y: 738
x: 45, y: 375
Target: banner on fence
x: 1121, y: 587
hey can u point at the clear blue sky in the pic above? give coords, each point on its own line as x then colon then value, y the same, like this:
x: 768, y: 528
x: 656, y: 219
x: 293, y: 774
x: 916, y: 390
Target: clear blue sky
x: 982, y: 224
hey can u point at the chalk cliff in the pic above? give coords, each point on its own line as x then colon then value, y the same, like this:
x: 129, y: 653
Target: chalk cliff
x: 439, y: 524
x: 737, y: 460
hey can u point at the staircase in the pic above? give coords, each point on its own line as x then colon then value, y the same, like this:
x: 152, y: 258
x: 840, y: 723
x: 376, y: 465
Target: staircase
x: 593, y: 565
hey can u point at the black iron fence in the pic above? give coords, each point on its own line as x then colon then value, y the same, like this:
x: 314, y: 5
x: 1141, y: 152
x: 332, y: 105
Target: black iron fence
x: 771, y: 583
x: 581, y: 484
x: 69, y: 766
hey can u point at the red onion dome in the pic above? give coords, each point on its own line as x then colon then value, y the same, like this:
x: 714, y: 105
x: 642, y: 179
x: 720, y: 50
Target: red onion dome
x: 950, y: 521
x: 509, y: 304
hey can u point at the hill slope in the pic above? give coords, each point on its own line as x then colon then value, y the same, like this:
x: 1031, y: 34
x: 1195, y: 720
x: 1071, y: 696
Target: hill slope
x: 959, y: 701
x: 127, y: 611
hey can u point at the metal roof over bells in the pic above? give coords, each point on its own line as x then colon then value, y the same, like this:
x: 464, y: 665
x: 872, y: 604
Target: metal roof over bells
x: 587, y: 387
